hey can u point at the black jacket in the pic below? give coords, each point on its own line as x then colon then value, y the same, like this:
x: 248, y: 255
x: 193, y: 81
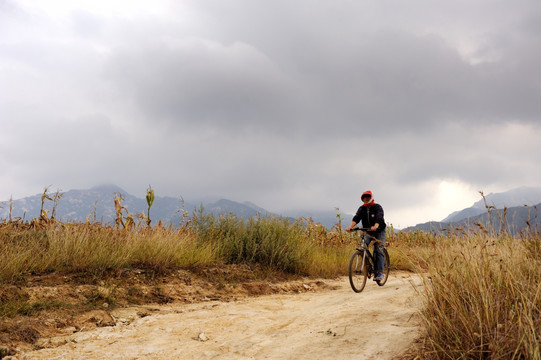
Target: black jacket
x: 370, y: 215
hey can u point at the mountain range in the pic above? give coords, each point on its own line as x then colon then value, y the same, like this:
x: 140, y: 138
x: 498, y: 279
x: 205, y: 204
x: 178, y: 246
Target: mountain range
x: 529, y: 196
x: 516, y: 210
x: 97, y: 204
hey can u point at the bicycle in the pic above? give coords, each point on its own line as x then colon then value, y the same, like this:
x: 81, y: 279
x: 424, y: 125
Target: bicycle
x: 361, y: 264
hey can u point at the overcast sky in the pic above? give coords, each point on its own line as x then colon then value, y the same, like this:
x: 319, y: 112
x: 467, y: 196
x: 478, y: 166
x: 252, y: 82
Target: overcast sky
x: 290, y: 104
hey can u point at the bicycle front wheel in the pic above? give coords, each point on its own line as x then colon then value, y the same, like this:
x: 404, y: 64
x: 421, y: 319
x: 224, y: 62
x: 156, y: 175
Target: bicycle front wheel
x: 385, y: 268
x: 358, y: 271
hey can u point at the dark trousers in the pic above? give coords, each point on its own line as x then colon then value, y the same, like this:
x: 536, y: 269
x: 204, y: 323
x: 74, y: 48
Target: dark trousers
x: 378, y: 249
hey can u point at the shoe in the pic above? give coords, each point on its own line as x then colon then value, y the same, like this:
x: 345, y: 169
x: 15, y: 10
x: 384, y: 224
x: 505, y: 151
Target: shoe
x: 378, y: 277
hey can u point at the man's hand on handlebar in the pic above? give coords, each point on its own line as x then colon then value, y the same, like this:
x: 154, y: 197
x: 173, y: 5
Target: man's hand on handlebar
x: 373, y: 228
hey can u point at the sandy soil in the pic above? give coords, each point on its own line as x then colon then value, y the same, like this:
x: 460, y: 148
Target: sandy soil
x: 334, y: 323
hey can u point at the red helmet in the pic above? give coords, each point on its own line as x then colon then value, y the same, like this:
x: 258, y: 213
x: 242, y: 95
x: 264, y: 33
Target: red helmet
x: 367, y: 193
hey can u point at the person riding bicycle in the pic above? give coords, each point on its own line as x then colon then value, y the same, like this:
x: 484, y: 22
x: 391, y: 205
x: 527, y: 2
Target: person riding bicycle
x: 371, y: 216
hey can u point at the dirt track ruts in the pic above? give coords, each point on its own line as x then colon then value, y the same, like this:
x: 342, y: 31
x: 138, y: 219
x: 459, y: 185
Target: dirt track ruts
x: 379, y: 323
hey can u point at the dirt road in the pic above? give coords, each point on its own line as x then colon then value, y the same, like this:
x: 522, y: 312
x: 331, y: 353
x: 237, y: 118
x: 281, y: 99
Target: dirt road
x: 336, y: 323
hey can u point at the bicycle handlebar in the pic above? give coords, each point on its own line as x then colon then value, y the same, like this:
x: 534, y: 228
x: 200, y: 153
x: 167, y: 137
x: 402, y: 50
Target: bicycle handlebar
x: 365, y: 230
x: 360, y: 229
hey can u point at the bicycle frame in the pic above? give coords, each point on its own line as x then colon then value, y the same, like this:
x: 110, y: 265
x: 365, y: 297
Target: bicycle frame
x: 369, y: 256
x: 363, y: 261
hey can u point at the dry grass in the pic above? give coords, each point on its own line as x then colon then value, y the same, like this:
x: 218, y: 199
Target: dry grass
x: 482, y: 296
x: 92, y: 248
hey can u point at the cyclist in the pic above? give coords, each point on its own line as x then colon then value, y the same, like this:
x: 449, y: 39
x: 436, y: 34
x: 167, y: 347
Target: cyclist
x: 371, y: 216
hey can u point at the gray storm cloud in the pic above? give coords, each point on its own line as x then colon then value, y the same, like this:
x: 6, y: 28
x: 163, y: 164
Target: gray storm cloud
x: 391, y: 83
x: 288, y: 104
x: 194, y: 81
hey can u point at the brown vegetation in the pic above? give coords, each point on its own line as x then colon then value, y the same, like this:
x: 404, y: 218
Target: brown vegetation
x: 482, y: 293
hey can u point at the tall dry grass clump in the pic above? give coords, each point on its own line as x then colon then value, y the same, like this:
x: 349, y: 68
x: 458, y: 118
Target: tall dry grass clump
x: 482, y: 298
x: 298, y: 247
x: 93, y: 248
x: 409, y: 249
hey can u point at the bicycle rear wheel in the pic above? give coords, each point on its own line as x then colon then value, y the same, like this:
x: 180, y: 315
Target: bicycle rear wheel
x: 385, y: 268
x: 358, y: 271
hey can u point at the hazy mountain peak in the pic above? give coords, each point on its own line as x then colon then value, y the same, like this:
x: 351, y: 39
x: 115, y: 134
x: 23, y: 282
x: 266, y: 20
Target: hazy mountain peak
x: 254, y: 206
x: 524, y: 195
x: 98, y: 201
x: 112, y: 188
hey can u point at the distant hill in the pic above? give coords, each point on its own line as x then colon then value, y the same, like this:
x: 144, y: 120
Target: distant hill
x: 522, y: 206
x: 245, y: 210
x: 328, y: 219
x: 512, y: 198
x: 98, y: 204
x: 514, y: 220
